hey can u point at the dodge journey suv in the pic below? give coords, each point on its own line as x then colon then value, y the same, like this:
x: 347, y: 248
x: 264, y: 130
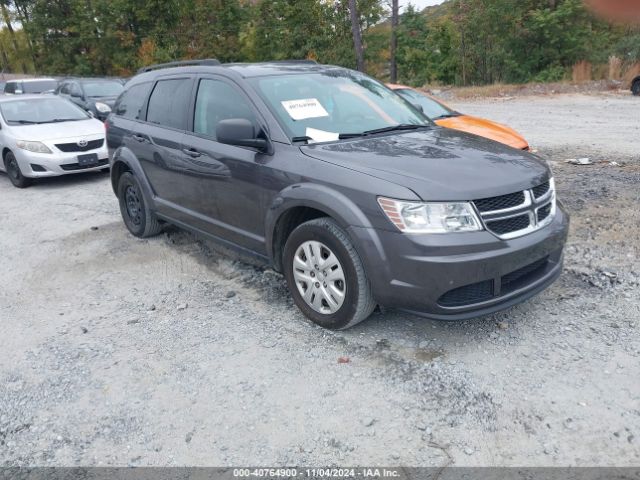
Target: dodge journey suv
x: 338, y: 183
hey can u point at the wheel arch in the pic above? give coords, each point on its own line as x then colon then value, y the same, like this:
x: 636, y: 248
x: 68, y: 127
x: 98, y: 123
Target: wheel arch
x: 125, y: 161
x: 303, y: 202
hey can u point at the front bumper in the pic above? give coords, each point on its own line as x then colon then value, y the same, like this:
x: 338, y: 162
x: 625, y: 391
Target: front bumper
x: 37, y: 165
x: 460, y: 276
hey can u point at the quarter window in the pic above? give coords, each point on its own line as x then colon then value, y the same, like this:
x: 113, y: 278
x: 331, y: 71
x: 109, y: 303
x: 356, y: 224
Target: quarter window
x: 169, y: 103
x: 216, y: 101
x: 130, y: 103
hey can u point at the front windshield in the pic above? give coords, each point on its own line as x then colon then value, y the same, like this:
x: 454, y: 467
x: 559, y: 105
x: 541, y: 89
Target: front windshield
x: 103, y: 89
x: 40, y: 110
x: 39, y: 86
x: 322, y: 106
x: 431, y: 108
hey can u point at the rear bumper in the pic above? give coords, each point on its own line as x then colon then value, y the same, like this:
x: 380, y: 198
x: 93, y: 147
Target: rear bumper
x: 460, y: 276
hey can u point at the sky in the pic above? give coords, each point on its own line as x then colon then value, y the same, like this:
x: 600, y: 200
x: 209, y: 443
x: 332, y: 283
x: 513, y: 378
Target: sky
x: 420, y: 4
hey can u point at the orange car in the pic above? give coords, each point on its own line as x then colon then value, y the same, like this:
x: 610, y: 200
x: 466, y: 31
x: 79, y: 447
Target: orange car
x: 445, y: 117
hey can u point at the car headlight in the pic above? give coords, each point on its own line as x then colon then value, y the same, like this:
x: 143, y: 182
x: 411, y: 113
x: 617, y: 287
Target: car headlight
x: 103, y: 107
x: 37, y: 147
x: 419, y: 217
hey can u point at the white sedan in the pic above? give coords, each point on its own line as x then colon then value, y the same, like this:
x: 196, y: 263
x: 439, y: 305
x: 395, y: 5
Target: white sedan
x: 45, y: 136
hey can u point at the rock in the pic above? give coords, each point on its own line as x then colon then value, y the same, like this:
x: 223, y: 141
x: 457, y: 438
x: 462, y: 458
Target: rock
x: 343, y: 360
x: 469, y: 451
x: 151, y: 308
x: 503, y: 325
x: 133, y: 321
x: 230, y: 294
x: 84, y: 329
x: 182, y: 306
x: 94, y: 228
x: 188, y: 437
x: 368, y: 422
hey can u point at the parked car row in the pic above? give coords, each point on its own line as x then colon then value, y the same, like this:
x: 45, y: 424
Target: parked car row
x: 93, y: 94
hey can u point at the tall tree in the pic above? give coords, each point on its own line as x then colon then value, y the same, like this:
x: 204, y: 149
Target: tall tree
x: 7, y: 20
x: 394, y: 42
x: 357, y: 35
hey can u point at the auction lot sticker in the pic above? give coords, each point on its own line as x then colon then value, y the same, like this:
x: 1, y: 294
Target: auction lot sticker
x: 304, y: 108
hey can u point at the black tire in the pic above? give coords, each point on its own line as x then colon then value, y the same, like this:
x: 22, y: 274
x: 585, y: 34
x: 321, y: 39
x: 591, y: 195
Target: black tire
x: 358, y: 300
x: 14, y: 173
x: 140, y: 221
x: 635, y: 88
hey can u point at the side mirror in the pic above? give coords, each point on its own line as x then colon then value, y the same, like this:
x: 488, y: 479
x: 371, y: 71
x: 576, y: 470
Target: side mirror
x: 240, y: 132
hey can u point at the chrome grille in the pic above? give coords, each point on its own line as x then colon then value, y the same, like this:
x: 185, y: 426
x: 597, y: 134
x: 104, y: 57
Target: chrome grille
x: 516, y: 214
x: 508, y: 225
x: 500, y: 203
x: 74, y: 147
x: 541, y: 190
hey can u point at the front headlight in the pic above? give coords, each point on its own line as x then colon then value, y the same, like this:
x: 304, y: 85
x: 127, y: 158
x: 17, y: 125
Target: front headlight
x: 418, y: 217
x: 37, y: 147
x: 103, y: 107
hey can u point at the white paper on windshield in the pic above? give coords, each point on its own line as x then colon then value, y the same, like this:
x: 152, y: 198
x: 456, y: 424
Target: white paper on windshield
x: 320, y: 135
x: 304, y: 108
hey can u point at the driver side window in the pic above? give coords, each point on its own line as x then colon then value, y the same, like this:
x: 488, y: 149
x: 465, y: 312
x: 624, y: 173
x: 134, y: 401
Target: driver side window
x: 217, y: 101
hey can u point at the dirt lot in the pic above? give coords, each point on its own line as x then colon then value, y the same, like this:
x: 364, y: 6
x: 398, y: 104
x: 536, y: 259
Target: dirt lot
x: 119, y: 351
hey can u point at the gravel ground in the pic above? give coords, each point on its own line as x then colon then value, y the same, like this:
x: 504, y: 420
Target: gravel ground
x: 119, y: 351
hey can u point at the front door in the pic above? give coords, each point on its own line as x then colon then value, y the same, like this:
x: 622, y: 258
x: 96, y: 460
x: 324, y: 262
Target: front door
x: 224, y: 180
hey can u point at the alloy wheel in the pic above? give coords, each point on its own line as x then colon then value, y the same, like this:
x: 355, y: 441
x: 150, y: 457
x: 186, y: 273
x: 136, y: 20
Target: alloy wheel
x: 319, y: 277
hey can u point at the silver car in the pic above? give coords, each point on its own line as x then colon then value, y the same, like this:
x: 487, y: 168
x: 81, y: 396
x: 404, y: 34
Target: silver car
x: 45, y: 136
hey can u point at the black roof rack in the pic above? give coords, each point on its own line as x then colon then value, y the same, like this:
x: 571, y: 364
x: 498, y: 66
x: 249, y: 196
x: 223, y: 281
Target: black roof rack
x: 180, y: 63
x: 303, y: 62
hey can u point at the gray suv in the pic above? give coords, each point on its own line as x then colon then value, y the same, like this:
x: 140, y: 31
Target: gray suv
x: 340, y: 184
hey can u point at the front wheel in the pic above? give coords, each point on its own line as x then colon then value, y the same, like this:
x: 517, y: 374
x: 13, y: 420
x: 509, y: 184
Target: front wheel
x: 140, y: 221
x: 325, y: 275
x: 635, y: 89
x: 14, y: 173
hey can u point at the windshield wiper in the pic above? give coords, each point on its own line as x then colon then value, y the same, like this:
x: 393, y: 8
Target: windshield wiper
x: 402, y: 126
x: 393, y: 128
x: 58, y: 120
x: 24, y: 122
x: 301, y: 139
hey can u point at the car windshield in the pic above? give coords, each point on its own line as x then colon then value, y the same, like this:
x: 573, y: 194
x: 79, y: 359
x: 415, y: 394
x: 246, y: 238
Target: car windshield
x: 335, y: 104
x: 39, y: 86
x: 110, y: 88
x: 41, y: 110
x: 431, y: 108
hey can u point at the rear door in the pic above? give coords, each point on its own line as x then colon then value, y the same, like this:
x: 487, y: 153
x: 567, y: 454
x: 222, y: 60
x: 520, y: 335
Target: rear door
x: 223, y: 181
x: 159, y: 140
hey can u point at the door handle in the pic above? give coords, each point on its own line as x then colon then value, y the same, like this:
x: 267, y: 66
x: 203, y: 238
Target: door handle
x: 139, y: 138
x: 193, y: 153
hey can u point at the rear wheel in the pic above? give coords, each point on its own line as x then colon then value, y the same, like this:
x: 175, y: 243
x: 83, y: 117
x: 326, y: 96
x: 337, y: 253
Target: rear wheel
x: 140, y: 221
x: 14, y: 173
x: 635, y: 88
x: 325, y: 275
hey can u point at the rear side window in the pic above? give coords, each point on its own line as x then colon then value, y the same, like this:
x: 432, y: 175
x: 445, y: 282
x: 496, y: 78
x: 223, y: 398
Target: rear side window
x: 218, y: 101
x: 130, y: 103
x: 169, y: 103
x: 10, y: 87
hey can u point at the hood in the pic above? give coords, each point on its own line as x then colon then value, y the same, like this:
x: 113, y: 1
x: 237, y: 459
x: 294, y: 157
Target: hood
x: 58, y: 131
x: 485, y: 128
x: 438, y: 164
